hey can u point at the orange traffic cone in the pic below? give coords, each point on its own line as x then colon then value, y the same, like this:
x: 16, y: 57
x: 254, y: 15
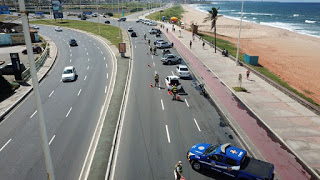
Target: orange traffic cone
x: 148, y: 65
x: 151, y: 84
x: 169, y: 92
x: 178, y: 97
x: 147, y: 53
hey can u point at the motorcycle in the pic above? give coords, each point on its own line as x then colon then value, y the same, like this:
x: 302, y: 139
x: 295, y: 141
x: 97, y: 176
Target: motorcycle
x: 225, y: 53
x: 203, y: 90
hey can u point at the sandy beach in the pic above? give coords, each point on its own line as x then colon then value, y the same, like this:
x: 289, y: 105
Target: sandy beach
x: 292, y: 56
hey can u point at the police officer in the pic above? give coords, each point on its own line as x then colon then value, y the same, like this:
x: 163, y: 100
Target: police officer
x: 156, y: 79
x: 154, y: 50
x: 178, y: 170
x: 174, y: 91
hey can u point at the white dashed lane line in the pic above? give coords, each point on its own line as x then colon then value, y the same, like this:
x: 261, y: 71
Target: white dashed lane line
x: 51, y: 93
x: 168, y: 135
x: 88, y: 59
x: 135, y: 46
x: 69, y: 112
x: 33, y: 114
x: 79, y: 92
x: 70, y: 55
x: 101, y: 52
x: 104, y: 58
x: 105, y: 89
x: 187, y: 102
x: 85, y: 78
x: 106, y: 65
x: 98, y: 47
x: 70, y: 60
x: 107, y: 75
x: 152, y: 56
x: 70, y: 50
x: 85, y: 48
x: 162, y: 104
x: 5, y: 144
x: 88, y: 67
x: 154, y: 64
x: 94, y: 43
x: 52, y: 139
x: 87, y: 54
x: 195, y: 121
x: 172, y: 73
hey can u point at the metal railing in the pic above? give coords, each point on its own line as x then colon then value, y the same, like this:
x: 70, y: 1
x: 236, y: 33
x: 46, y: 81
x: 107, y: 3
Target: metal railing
x: 39, y: 63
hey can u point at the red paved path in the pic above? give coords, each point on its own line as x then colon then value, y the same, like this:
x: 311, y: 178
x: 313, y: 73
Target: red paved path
x: 286, y: 166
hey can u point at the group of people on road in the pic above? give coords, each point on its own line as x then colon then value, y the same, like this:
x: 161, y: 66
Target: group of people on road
x: 174, y: 88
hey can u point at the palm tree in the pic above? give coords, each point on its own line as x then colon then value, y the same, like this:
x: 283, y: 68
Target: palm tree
x: 213, y: 17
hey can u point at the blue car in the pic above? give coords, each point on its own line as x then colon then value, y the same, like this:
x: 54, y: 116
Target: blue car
x: 230, y: 161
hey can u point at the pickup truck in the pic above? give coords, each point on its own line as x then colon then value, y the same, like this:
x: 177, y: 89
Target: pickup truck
x: 230, y: 161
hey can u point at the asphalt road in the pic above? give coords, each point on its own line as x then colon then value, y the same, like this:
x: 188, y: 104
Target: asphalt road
x: 71, y: 111
x: 157, y: 132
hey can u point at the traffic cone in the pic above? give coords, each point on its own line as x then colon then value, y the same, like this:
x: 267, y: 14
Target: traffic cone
x: 169, y: 92
x: 148, y: 65
x: 151, y: 84
x: 178, y: 97
x: 147, y: 53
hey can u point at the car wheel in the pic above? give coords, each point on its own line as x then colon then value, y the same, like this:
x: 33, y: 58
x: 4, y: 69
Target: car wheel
x: 196, y: 165
x: 169, y: 63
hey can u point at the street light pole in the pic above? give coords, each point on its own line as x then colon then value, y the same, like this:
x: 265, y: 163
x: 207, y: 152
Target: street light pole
x: 237, y: 60
x: 118, y: 20
x: 98, y: 17
x: 42, y: 124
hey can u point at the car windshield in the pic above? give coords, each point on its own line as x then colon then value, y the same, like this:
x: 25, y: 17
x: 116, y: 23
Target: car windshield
x: 183, y: 69
x: 67, y: 71
x: 211, y: 149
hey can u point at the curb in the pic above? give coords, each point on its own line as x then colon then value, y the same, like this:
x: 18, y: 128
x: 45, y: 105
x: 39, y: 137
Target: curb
x: 266, y: 127
x: 30, y: 90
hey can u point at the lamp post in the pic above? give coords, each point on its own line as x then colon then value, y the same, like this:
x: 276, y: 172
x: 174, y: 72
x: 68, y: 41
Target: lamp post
x: 35, y: 85
x: 237, y: 60
x: 98, y: 17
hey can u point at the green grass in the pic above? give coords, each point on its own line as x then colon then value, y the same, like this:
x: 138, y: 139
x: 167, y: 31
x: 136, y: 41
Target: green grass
x: 175, y: 11
x: 240, y: 89
x: 232, y: 49
x: 107, y: 31
x: 2, y: 17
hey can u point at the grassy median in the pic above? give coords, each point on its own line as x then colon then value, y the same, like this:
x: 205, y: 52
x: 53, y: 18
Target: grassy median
x: 107, y: 31
x: 175, y: 11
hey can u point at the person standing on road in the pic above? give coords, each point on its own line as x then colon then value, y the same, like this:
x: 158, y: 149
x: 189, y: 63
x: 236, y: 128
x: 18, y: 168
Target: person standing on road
x: 174, y: 91
x: 203, y: 44
x: 150, y: 49
x: 248, y: 74
x: 178, y: 170
x: 190, y: 44
x: 149, y: 42
x: 154, y: 50
x: 145, y: 36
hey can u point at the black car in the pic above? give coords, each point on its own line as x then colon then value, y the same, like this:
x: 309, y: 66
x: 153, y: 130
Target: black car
x: 122, y: 19
x: 83, y: 18
x: 133, y: 34
x: 107, y: 22
x: 36, y: 49
x: 8, y: 69
x: 73, y: 42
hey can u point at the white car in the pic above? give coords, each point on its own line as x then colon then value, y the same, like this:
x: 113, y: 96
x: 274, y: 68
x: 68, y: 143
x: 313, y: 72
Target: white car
x: 170, y: 81
x: 153, y: 23
x: 161, y: 45
x: 58, y: 29
x: 69, y: 74
x: 35, y: 27
x: 183, y: 71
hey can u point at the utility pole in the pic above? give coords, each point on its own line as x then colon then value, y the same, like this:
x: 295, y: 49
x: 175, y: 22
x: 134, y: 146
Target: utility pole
x: 237, y: 60
x: 42, y: 124
x: 118, y: 20
x: 98, y: 17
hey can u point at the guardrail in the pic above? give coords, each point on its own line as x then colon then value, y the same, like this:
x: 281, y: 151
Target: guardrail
x: 39, y: 63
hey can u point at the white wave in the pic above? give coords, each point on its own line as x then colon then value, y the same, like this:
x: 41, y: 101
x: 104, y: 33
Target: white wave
x: 254, y: 18
x: 287, y: 26
x: 309, y: 21
x: 296, y: 15
x: 233, y: 10
x: 258, y: 14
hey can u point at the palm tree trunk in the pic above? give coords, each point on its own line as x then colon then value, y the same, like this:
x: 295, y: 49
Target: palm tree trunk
x: 215, y: 40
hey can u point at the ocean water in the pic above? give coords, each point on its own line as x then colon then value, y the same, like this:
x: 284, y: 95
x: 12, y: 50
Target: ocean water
x: 302, y: 18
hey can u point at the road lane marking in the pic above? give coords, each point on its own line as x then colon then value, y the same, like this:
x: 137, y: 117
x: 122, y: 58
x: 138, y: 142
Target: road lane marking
x: 85, y: 48
x: 162, y: 104
x: 71, y: 55
x: 70, y: 60
x: 94, y: 43
x: 60, y: 80
x: 105, y: 89
x: 51, y: 93
x: 52, y: 139
x: 187, y: 102
x: 88, y: 67
x: 85, y: 78
x: 69, y: 112
x: 135, y: 46
x: 154, y: 64
x: 104, y: 58
x: 98, y: 47
x: 101, y: 52
x: 33, y: 114
x: 87, y: 54
x: 88, y: 59
x: 172, y: 73
x: 107, y: 75
x: 168, y: 135
x: 78, y: 41
x: 5, y: 145
x: 106, y: 65
x: 90, y: 40
x: 197, y: 124
x: 79, y: 92
x: 70, y: 50
x: 152, y: 56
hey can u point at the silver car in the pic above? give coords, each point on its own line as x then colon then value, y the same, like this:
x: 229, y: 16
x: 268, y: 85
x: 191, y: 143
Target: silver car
x: 182, y: 71
x: 69, y: 74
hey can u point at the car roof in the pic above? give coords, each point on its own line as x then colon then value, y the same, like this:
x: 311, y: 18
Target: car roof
x: 68, y: 67
x: 183, y: 66
x: 173, y: 77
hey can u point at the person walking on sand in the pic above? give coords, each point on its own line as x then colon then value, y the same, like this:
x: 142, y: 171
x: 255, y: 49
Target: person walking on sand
x: 190, y: 44
x: 248, y: 74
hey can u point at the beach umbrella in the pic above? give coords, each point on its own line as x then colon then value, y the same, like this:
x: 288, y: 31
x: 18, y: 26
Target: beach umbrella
x: 174, y: 19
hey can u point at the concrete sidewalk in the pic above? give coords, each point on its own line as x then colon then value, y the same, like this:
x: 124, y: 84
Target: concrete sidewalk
x: 24, y: 90
x: 276, y: 119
